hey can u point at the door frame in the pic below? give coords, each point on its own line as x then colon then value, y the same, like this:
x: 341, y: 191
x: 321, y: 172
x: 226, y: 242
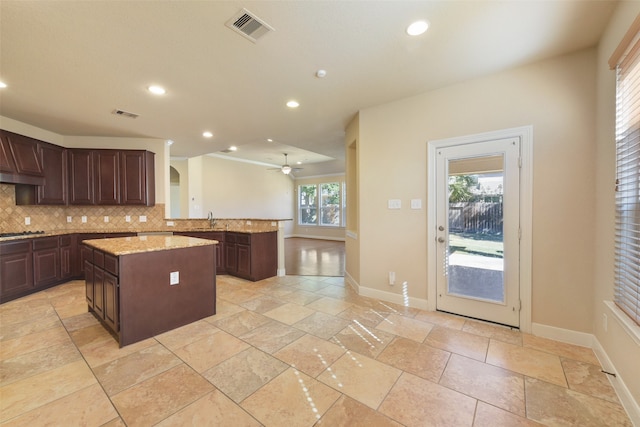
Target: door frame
x: 525, y: 134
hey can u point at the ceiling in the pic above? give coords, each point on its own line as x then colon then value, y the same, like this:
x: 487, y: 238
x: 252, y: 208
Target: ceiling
x: 69, y: 64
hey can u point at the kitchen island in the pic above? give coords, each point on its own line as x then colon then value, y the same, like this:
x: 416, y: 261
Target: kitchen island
x: 139, y: 287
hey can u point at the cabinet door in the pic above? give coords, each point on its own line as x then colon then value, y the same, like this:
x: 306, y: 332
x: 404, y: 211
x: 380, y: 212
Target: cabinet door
x: 111, y: 314
x: 54, y: 163
x: 7, y: 164
x: 46, y: 266
x: 243, y: 253
x: 231, y: 258
x: 66, y: 270
x: 98, y: 291
x: 138, y: 180
x: 16, y: 270
x: 25, y: 154
x: 89, y: 283
x: 106, y: 178
x: 80, y: 177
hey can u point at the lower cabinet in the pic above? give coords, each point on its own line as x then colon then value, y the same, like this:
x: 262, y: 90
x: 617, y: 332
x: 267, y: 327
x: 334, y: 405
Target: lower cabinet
x: 46, y: 261
x: 16, y: 270
x: 220, y: 247
x: 101, y: 283
x: 66, y: 257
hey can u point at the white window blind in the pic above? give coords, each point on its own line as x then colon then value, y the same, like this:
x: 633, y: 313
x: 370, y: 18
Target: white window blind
x: 627, y: 249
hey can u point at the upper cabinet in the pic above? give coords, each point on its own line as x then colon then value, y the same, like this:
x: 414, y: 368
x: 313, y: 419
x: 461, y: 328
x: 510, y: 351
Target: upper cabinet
x: 138, y: 183
x: 19, y: 159
x: 54, y: 165
x: 111, y: 177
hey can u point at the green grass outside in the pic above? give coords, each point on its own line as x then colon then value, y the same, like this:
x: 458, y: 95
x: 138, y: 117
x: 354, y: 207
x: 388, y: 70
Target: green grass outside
x: 476, y: 244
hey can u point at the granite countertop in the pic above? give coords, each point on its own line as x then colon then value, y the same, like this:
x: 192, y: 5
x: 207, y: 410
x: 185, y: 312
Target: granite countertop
x: 139, y: 244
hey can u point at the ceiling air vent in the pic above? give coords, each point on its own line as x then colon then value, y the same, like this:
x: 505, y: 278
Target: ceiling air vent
x: 125, y: 114
x: 248, y: 25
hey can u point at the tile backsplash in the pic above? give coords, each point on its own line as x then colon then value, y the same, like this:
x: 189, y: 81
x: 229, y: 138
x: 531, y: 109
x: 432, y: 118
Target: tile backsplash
x: 54, y: 218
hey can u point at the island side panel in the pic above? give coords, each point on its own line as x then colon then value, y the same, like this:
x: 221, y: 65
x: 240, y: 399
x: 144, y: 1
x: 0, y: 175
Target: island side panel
x: 149, y: 305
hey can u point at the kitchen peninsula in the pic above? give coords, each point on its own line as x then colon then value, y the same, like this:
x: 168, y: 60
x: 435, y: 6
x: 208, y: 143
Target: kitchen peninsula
x: 142, y: 286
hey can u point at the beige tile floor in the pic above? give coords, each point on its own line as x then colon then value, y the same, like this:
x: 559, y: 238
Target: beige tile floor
x: 291, y: 351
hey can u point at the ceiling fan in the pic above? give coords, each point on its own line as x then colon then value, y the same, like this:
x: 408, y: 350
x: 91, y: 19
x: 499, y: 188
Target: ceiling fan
x: 285, y: 168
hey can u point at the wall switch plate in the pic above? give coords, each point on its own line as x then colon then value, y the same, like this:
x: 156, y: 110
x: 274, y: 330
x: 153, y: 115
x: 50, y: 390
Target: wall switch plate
x: 127, y: 218
x: 395, y: 203
x: 106, y: 219
x: 27, y: 220
x: 170, y: 223
x: 174, y: 277
x: 273, y: 223
x: 605, y: 323
x: 248, y: 222
x: 392, y: 278
x: 69, y: 219
x: 416, y: 203
x: 84, y: 219
x: 142, y: 218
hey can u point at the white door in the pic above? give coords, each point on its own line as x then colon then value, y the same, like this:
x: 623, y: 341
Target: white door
x: 477, y: 220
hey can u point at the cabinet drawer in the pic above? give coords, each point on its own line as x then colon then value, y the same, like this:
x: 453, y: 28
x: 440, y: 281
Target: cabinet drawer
x: 111, y: 264
x: 231, y: 237
x: 45, y: 243
x: 243, y: 238
x: 98, y: 259
x: 65, y: 240
x: 14, y: 247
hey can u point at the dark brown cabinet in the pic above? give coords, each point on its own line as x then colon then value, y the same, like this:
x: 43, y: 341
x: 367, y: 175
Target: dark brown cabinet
x: 66, y: 257
x: 19, y: 159
x: 106, y: 177
x: 16, y: 269
x: 111, y: 177
x: 220, y: 247
x: 80, y: 177
x: 46, y: 261
x: 252, y: 256
x: 138, y: 177
x: 55, y: 171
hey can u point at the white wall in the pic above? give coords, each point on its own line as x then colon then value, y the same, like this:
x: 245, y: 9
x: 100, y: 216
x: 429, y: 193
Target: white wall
x: 556, y: 97
x: 619, y: 345
x: 233, y: 189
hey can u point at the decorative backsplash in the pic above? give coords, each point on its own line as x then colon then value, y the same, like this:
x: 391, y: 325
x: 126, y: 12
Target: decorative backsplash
x: 54, y: 218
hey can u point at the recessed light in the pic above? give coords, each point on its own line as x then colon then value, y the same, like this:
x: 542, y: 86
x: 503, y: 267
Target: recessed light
x: 269, y: 140
x: 207, y: 134
x: 321, y: 73
x: 293, y: 104
x: 417, y: 28
x: 3, y: 85
x: 169, y: 141
x: 157, y: 90
x: 233, y: 148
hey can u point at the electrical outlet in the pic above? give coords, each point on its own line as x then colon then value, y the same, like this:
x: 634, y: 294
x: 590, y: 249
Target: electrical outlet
x: 127, y: 218
x: 142, y: 218
x: 248, y: 222
x: 392, y: 278
x: 174, y: 278
x: 106, y: 219
x: 69, y: 219
x: 170, y: 223
x: 84, y: 219
x: 273, y: 223
x: 605, y: 322
x: 394, y: 204
x: 27, y: 220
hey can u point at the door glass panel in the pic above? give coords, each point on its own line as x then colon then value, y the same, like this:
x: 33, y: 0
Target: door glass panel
x: 475, y: 246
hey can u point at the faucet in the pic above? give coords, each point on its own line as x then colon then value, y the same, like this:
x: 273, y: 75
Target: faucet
x: 212, y: 220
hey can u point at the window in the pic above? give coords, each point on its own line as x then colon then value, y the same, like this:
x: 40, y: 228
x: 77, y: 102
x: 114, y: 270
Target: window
x: 627, y: 244
x: 330, y: 204
x: 307, y: 206
x: 321, y: 204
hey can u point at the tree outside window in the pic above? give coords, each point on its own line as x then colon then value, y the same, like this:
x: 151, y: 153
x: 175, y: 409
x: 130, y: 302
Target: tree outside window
x: 330, y: 204
x: 307, y: 206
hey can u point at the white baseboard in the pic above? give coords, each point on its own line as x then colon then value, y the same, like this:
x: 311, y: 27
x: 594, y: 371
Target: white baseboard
x: 589, y: 340
x: 281, y: 272
x: 307, y: 236
x: 564, y: 335
x: 393, y: 297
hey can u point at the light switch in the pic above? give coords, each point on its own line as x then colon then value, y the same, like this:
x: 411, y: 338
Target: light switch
x: 27, y: 220
x: 84, y: 219
x: 106, y: 219
x: 143, y: 218
x: 395, y: 204
x: 127, y: 218
x: 416, y: 203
